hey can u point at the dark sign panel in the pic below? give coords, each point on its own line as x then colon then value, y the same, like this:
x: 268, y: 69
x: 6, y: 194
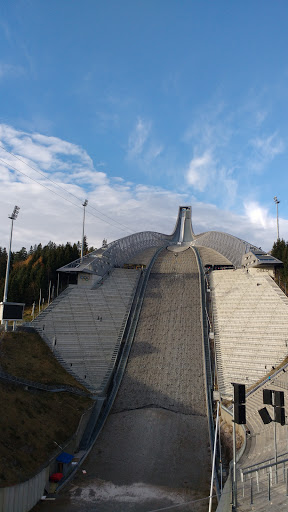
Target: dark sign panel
x: 12, y: 311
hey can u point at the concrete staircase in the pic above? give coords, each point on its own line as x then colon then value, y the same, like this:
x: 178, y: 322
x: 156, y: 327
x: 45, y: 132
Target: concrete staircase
x: 251, y: 326
x: 84, y: 327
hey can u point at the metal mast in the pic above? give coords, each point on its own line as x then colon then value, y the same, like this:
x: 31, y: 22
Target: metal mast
x: 13, y: 217
x: 82, y: 245
x: 277, y: 202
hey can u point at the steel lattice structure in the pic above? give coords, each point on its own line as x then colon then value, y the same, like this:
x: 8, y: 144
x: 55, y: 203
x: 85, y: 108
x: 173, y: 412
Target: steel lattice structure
x: 122, y: 250
x: 117, y: 253
x: 231, y: 247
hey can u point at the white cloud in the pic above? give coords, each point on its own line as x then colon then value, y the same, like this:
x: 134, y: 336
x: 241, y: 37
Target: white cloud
x: 10, y: 70
x: 201, y: 169
x: 265, y: 150
x: 257, y: 214
x: 45, y: 216
x: 255, y: 225
x: 140, y: 146
x: 153, y: 152
x: 138, y: 138
x: 260, y: 116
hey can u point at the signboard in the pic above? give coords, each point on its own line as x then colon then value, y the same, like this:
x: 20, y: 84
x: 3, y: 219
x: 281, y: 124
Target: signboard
x: 11, y: 311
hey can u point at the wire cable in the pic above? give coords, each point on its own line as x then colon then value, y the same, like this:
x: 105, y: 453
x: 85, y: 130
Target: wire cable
x: 59, y: 195
x: 62, y: 188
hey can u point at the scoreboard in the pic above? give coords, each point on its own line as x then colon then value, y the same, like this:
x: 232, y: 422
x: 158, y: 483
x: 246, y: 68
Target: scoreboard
x: 11, y: 310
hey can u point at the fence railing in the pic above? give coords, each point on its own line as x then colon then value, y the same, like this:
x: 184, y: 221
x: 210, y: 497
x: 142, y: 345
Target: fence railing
x: 262, y: 481
x: 103, y: 412
x: 207, y: 358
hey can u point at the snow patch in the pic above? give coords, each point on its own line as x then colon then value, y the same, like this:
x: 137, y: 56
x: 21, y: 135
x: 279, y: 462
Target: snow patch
x: 107, y: 491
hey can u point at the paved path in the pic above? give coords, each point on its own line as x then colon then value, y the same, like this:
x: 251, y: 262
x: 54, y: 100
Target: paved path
x: 154, y: 449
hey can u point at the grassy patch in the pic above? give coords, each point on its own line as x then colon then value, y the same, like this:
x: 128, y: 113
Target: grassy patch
x: 32, y: 421
x: 24, y: 354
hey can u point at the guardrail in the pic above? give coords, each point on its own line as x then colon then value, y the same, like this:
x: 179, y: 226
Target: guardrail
x: 258, y: 466
x: 44, y: 387
x: 207, y: 359
x: 267, y: 471
x: 128, y: 339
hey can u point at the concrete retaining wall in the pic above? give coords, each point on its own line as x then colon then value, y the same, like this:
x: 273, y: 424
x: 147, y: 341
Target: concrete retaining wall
x: 22, y: 497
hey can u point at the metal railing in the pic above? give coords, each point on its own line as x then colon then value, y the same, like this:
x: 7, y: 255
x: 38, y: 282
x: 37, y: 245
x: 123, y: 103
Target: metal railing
x: 102, y: 414
x: 55, y: 388
x: 231, y: 247
x: 265, y: 482
x: 118, y: 252
x: 207, y: 359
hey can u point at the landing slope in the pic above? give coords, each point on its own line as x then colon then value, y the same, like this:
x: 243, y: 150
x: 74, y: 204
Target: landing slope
x: 154, y: 449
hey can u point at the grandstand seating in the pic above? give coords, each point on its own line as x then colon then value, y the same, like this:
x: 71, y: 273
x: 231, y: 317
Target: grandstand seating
x: 251, y: 326
x: 84, y: 326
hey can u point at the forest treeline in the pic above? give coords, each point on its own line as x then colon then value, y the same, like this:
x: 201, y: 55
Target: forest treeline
x: 36, y: 269
x: 280, y: 251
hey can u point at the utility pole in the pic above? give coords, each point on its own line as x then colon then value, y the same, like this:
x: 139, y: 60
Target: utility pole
x: 13, y: 217
x: 277, y: 202
x: 82, y: 245
x: 239, y: 418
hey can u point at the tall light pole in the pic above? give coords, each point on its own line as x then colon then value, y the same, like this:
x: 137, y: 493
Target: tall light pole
x: 277, y: 202
x: 13, y: 217
x: 82, y: 245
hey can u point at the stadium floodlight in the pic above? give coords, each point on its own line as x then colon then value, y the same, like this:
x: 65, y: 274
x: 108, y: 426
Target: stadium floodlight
x: 13, y: 217
x: 82, y: 245
x: 276, y: 201
x: 14, y: 214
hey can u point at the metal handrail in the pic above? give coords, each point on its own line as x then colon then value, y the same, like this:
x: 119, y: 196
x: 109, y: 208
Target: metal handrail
x: 45, y: 387
x: 140, y: 292
x: 244, y: 473
x: 263, y: 462
x: 207, y: 359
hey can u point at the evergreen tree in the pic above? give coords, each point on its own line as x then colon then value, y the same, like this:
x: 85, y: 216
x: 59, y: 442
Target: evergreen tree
x: 32, y: 271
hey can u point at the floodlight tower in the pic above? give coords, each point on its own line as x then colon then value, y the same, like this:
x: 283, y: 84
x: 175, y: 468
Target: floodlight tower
x: 13, y: 217
x: 82, y: 245
x: 277, y: 202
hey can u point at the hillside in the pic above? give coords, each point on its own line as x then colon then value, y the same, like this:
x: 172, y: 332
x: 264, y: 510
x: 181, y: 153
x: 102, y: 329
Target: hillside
x: 33, y: 274
x: 31, y: 420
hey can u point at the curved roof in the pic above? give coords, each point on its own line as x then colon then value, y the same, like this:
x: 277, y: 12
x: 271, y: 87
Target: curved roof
x: 211, y: 257
x: 230, y: 246
x: 122, y: 250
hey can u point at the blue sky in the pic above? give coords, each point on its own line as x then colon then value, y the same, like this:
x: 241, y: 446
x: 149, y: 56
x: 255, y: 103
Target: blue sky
x: 140, y: 107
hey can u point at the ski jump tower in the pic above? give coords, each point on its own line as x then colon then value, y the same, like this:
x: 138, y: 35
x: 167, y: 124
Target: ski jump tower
x: 121, y: 251
x: 86, y: 325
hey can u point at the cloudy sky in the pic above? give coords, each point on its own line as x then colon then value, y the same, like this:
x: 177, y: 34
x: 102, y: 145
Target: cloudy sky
x: 142, y: 106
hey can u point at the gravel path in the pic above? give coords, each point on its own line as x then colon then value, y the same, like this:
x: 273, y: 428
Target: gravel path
x: 154, y: 449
